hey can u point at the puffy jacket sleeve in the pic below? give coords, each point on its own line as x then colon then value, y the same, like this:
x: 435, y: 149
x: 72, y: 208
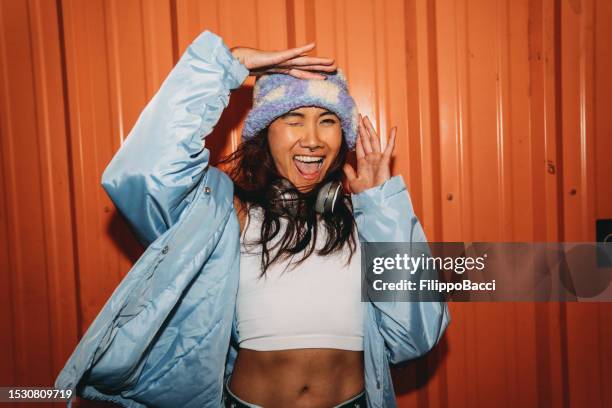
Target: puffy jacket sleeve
x: 153, y: 175
x: 385, y: 214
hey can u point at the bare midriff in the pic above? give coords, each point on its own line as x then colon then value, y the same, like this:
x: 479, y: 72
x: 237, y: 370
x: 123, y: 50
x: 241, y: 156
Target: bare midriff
x: 300, y: 378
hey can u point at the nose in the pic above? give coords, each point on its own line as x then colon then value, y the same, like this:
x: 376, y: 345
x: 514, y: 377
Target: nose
x: 310, y: 139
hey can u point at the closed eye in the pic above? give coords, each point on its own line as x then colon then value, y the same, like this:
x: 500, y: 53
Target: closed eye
x: 328, y: 121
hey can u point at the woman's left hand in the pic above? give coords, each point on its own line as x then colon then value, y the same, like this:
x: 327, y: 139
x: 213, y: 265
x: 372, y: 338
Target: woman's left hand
x: 373, y: 166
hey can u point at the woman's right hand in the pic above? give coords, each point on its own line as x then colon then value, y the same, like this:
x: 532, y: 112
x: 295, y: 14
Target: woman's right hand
x: 293, y: 61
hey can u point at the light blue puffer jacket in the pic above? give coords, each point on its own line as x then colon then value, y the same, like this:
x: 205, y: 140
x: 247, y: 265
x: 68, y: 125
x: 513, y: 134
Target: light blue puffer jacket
x: 167, y: 335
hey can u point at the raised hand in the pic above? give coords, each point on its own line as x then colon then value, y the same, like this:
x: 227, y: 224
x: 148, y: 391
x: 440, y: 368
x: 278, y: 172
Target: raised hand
x: 293, y: 62
x: 373, y: 166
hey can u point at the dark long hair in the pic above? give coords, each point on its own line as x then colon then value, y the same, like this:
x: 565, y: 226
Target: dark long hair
x: 255, y: 176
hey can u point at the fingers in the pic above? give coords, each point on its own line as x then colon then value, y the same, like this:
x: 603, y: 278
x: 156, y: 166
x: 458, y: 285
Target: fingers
x: 308, y: 72
x: 294, y: 62
x: 359, y: 152
x: 298, y: 73
x: 390, y: 144
x: 321, y: 68
x: 301, y: 74
x: 303, y: 49
x: 295, y: 52
x: 259, y: 62
x: 297, y: 57
x: 324, y: 68
x: 364, y: 136
x: 349, y: 171
x: 308, y: 61
x: 373, y: 136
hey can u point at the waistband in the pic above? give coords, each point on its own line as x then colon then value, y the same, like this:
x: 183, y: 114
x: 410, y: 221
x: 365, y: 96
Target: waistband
x: 230, y: 400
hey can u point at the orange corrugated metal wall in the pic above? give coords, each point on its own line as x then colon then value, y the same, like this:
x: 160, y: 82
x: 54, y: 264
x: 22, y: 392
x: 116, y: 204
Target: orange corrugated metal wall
x: 504, y: 135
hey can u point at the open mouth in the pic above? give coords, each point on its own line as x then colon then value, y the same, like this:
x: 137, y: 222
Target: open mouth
x: 308, y: 166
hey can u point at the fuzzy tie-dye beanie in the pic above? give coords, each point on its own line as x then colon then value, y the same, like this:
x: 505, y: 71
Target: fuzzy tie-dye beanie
x: 276, y: 94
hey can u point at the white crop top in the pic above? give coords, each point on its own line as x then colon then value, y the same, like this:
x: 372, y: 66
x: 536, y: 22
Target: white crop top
x: 316, y: 304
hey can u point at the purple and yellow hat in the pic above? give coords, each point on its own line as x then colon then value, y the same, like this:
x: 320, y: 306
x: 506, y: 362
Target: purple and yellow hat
x: 276, y: 94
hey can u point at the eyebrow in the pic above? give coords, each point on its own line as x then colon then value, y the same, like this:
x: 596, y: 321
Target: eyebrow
x: 293, y: 114
x: 302, y: 116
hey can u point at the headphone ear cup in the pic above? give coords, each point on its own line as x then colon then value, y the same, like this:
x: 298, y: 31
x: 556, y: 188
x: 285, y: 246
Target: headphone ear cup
x: 328, y: 196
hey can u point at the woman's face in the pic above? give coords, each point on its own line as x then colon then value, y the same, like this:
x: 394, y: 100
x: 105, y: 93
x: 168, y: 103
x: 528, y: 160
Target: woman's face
x: 304, y: 142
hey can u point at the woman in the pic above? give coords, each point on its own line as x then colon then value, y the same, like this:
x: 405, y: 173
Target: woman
x: 192, y: 324
x: 299, y: 348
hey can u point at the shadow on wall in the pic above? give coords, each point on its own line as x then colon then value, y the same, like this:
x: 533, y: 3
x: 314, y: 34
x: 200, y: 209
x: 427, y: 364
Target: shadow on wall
x: 414, y: 375
x: 218, y: 142
x: 123, y: 238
